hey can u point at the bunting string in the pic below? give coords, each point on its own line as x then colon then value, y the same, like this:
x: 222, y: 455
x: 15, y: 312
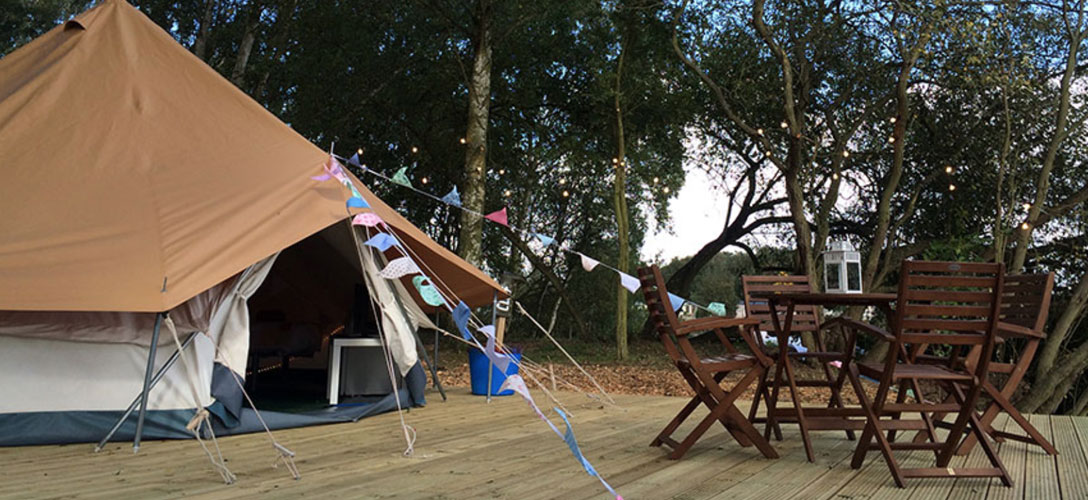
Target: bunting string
x: 453, y: 199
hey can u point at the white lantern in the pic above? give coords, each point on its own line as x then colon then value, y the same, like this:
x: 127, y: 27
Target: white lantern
x: 842, y: 268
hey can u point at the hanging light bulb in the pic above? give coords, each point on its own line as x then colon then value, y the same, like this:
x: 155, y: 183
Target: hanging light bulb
x: 615, y: 160
x: 423, y: 180
x: 360, y: 151
x: 566, y: 193
x: 835, y: 176
x: 666, y: 189
x: 845, y: 154
x: 1027, y: 206
x: 892, y: 119
x: 415, y: 150
x: 768, y: 153
x: 759, y: 131
x: 562, y: 181
x: 784, y: 124
x: 656, y: 179
x: 948, y: 169
x: 507, y: 193
x: 891, y: 139
x: 502, y: 171
x: 1025, y: 226
x: 951, y: 187
x: 463, y: 140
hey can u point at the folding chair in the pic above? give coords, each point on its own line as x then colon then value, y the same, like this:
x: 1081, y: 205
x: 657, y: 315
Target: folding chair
x: 806, y: 318
x: 705, y: 374
x: 1025, y: 305
x: 956, y: 305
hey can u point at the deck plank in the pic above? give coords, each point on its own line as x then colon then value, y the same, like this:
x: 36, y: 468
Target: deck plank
x: 470, y: 449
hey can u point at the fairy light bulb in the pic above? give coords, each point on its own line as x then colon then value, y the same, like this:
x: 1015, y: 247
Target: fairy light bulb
x: 767, y: 154
x: 615, y: 160
x: 951, y: 187
x: 948, y: 169
x: 507, y: 193
x: 835, y: 176
x: 783, y: 125
x: 415, y: 150
x: 891, y: 139
x: 463, y: 140
x: 360, y: 151
x: 656, y: 180
x: 423, y: 180
x: 759, y: 131
x: 1027, y: 206
x: 666, y: 189
x: 892, y: 119
x: 566, y: 193
x: 562, y: 181
x: 502, y: 171
x: 1025, y: 226
x: 845, y: 154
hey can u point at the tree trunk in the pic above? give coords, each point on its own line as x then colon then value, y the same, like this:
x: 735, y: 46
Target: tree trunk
x: 1042, y: 185
x: 245, y: 47
x: 200, y: 45
x: 1069, y: 317
x: 619, y: 201
x: 479, y: 106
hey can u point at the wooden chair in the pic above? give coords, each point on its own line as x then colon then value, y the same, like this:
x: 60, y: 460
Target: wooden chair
x: 806, y: 318
x: 956, y: 305
x: 705, y: 374
x: 1024, y: 308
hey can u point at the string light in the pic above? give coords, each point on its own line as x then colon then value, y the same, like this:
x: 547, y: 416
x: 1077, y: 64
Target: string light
x: 615, y: 160
x: 951, y: 187
x: 1027, y: 206
x: 891, y: 139
x: 360, y: 151
x: 507, y: 193
x: 566, y: 193
x: 784, y: 125
x: 655, y: 180
x: 759, y: 131
x: 415, y: 150
x: 423, y: 180
x: 892, y: 119
x: 768, y: 153
x: 463, y: 140
x: 1025, y: 226
x: 948, y: 169
x: 666, y: 189
x: 502, y: 171
x: 845, y: 154
x: 835, y: 176
x: 562, y: 181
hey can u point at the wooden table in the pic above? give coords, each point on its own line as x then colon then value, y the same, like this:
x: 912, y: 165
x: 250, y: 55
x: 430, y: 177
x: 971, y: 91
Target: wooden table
x: 812, y: 418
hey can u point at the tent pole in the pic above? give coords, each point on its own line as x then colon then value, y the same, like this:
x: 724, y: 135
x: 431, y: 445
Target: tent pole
x: 139, y: 397
x: 432, y: 368
x: 147, y: 382
x: 491, y: 364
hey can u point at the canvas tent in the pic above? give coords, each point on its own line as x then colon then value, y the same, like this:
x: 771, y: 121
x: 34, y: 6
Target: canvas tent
x: 135, y: 180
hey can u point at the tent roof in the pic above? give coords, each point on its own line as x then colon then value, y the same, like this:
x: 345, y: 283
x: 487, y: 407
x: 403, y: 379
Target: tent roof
x: 135, y: 177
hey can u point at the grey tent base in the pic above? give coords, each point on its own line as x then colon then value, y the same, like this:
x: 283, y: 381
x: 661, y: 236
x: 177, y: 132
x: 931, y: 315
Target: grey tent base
x: 65, y: 427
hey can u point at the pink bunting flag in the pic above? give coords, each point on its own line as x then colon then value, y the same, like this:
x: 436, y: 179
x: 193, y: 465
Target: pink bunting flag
x: 368, y: 219
x: 499, y: 217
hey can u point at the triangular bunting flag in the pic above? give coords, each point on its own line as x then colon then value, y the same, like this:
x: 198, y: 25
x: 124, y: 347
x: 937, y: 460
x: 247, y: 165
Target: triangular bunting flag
x: 452, y: 197
x: 401, y: 177
x: 629, y: 282
x: 369, y: 219
x: 501, y: 361
x: 588, y: 263
x: 354, y: 160
x: 499, y: 216
x: 716, y: 308
x: 399, y: 267
x: 382, y: 241
x: 544, y: 239
x: 461, y: 314
x: 357, y: 202
x: 427, y: 291
x: 676, y: 301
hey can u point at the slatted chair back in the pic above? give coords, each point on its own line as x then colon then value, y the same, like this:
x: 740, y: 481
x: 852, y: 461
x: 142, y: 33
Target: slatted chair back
x: 948, y: 303
x: 1025, y: 300
x: 805, y: 318
x: 662, y: 317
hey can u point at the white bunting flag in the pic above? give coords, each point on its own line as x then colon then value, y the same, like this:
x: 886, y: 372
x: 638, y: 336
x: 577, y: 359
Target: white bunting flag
x: 588, y: 263
x: 629, y: 282
x: 401, y: 266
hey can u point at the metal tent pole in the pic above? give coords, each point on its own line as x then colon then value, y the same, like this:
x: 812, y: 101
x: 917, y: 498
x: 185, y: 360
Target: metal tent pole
x: 491, y: 364
x: 431, y: 366
x: 147, y: 382
x: 139, y: 397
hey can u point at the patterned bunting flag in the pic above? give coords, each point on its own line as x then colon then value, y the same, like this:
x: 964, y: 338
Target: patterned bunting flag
x: 401, y: 177
x: 357, y: 202
x: 427, y: 291
x: 544, y: 239
x: 369, y: 219
x: 629, y: 282
x: 588, y: 263
x: 716, y: 308
x: 461, y: 314
x: 452, y: 197
x: 499, y: 216
x: 676, y: 301
x: 399, y: 267
x: 501, y: 361
x: 381, y: 241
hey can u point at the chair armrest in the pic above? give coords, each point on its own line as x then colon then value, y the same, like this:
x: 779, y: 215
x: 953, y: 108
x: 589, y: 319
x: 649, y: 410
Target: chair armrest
x: 707, y: 324
x: 1012, y: 330
x: 860, y: 326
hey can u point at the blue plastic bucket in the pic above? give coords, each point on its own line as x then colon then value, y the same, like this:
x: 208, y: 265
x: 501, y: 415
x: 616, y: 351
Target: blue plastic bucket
x: 477, y: 367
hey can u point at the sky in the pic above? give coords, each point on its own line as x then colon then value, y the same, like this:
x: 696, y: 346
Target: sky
x: 696, y: 215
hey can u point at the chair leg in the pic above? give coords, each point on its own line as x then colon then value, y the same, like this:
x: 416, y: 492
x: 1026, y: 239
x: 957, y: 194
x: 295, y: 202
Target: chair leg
x: 872, y: 430
x: 835, y: 384
x: 1036, y: 437
x: 900, y: 398
x: 802, y: 424
x: 772, y: 403
x: 726, y: 409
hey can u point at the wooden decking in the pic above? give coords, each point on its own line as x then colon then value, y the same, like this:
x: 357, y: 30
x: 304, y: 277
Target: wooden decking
x: 469, y: 449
